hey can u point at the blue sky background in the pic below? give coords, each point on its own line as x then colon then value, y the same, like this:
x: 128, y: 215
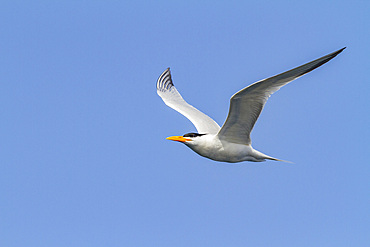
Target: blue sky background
x: 83, y: 155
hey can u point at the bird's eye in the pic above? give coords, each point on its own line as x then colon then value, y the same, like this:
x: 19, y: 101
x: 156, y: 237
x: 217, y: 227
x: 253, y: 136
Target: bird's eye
x: 192, y: 135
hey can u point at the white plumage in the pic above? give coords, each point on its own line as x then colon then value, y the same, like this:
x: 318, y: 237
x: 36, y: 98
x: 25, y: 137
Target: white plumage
x: 231, y: 142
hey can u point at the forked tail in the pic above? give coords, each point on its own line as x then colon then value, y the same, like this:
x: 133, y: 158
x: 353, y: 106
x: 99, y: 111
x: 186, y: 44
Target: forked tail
x: 272, y: 158
x: 262, y: 157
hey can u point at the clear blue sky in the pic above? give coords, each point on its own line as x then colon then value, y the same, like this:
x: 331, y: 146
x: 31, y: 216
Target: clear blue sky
x: 83, y: 155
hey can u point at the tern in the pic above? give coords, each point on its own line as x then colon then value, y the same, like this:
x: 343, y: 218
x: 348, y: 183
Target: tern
x: 231, y: 142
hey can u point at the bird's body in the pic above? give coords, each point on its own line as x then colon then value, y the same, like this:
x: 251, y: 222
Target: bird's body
x: 231, y: 142
x: 210, y: 146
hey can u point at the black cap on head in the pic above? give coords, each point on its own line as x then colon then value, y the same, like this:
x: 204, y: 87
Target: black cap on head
x: 193, y: 135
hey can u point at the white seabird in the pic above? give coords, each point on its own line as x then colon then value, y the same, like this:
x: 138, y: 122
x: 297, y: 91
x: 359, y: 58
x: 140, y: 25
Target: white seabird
x: 232, y: 141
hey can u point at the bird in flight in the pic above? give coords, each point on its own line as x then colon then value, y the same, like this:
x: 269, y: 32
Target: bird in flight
x: 231, y: 142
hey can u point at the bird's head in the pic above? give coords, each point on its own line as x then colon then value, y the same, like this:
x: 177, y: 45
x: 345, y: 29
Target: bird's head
x: 188, y: 139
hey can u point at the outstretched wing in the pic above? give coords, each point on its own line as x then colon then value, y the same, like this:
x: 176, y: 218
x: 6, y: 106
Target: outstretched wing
x: 171, y: 97
x: 247, y: 104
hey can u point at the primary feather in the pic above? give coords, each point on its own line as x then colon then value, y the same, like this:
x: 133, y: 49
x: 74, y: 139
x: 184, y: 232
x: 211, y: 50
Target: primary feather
x: 171, y: 97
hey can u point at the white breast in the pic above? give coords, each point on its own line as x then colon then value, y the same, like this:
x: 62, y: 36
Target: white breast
x: 212, y: 147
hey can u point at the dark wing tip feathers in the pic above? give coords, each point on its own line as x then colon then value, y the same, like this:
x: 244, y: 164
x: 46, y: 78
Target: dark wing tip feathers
x: 338, y: 51
x: 327, y: 59
x: 165, y: 81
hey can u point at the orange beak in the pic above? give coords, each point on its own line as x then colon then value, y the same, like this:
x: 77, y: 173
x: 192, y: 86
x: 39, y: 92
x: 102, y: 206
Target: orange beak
x: 178, y: 138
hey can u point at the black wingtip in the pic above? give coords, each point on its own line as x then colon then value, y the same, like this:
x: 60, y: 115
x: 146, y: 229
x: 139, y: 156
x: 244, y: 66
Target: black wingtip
x: 340, y: 50
x: 165, y: 81
x: 334, y: 54
x: 318, y: 62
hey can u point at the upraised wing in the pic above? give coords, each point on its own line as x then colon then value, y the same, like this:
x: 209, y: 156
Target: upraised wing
x: 247, y: 104
x: 171, y: 97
